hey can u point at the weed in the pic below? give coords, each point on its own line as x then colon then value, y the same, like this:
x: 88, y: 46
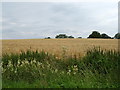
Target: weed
x: 97, y: 69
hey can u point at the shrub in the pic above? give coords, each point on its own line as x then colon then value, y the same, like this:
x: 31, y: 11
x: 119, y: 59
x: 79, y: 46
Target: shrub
x: 98, y: 69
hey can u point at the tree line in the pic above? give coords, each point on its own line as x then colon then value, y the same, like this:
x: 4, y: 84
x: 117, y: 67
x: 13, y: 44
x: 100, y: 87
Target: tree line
x: 94, y: 34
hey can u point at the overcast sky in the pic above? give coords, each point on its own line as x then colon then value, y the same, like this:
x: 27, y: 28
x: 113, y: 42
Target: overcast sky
x: 22, y: 20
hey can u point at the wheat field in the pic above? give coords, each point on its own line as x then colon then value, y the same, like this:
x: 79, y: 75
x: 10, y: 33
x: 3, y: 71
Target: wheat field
x: 58, y: 46
x: 96, y: 69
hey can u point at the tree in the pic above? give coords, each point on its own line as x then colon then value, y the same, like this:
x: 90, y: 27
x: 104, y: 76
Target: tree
x: 61, y: 36
x: 79, y: 37
x: 70, y: 37
x: 47, y: 38
x: 105, y: 36
x: 117, y: 36
x: 95, y: 34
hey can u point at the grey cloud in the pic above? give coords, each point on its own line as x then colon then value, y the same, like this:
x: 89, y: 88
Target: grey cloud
x: 34, y: 20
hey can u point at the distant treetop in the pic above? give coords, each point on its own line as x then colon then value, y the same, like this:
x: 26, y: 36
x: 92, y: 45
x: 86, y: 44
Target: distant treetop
x: 96, y: 34
x: 63, y: 36
x: 47, y: 38
x: 117, y: 36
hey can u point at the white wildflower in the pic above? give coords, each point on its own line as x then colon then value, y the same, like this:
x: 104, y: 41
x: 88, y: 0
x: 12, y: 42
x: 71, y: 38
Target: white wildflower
x: 56, y: 70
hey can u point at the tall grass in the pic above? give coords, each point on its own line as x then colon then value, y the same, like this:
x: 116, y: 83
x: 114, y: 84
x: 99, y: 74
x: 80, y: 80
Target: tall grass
x: 34, y: 69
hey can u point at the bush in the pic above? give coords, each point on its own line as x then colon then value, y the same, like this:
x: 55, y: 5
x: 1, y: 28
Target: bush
x: 98, y: 69
x: 105, y: 36
x: 63, y: 36
x: 117, y: 36
x: 95, y: 34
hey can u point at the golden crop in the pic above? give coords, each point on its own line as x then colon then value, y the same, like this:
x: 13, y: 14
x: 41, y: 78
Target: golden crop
x: 58, y: 47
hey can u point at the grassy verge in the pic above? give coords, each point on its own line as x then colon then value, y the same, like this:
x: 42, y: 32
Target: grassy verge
x: 33, y: 69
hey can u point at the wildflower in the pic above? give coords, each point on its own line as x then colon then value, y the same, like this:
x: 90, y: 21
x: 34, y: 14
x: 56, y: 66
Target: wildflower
x: 69, y: 70
x: 34, y: 61
x: 75, y: 68
x: 15, y: 71
x: 74, y: 73
x: 18, y: 62
x: 39, y: 63
x: 62, y: 72
x: 52, y: 71
x: 26, y: 62
x: 43, y: 74
x: 42, y: 66
x: 56, y: 70
x: 48, y: 65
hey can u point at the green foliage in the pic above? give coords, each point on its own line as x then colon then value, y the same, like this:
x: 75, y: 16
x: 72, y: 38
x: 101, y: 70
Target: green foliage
x: 105, y: 36
x: 117, y: 36
x: 48, y: 38
x: 95, y: 34
x: 34, y: 69
x: 102, y: 61
x: 70, y: 37
x: 63, y: 36
x: 5, y: 60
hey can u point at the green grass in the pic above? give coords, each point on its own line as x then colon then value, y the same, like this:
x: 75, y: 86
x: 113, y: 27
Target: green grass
x: 33, y: 69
